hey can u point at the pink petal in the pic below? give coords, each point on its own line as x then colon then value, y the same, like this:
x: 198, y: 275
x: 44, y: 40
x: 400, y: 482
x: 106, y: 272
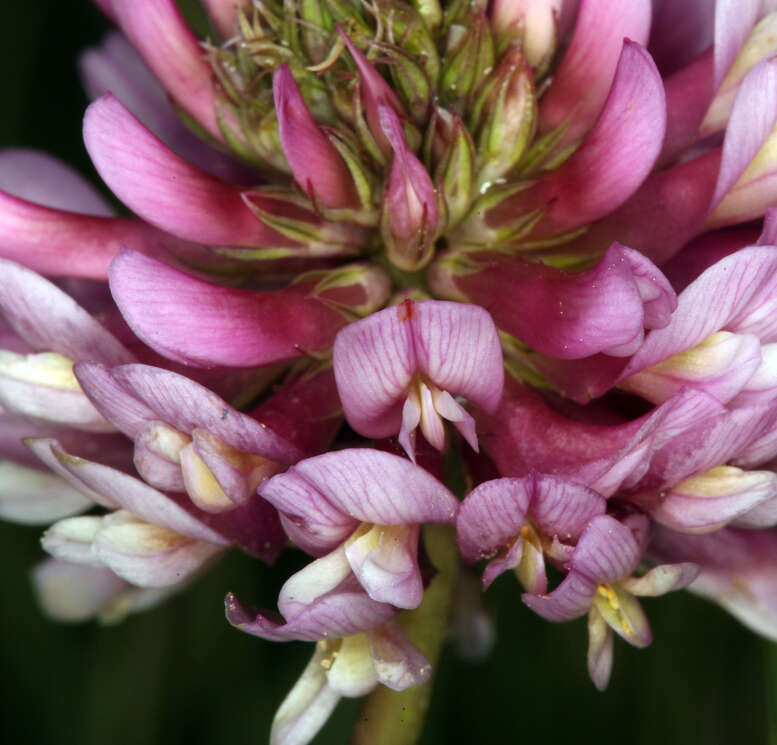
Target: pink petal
x: 589, y: 63
x: 570, y: 600
x: 159, y: 32
x: 114, y: 66
x: 316, y: 165
x: 737, y: 294
x: 197, y: 323
x: 681, y: 30
x: 454, y: 344
x: 326, y: 497
x: 596, y: 179
x: 606, y: 551
x: 223, y: 13
x: 734, y: 20
x: 163, y: 188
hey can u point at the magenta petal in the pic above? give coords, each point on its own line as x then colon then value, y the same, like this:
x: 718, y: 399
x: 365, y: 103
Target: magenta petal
x: 562, y: 509
x: 197, y: 323
x: 327, y: 496
x: 163, y: 188
x: 114, y: 66
x: 590, y: 61
x: 159, y: 32
x: 613, y: 160
x: 316, y: 165
x: 681, y: 30
x: 48, y: 319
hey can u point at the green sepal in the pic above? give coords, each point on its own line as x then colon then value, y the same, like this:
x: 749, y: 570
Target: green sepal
x: 410, y: 81
x: 468, y: 61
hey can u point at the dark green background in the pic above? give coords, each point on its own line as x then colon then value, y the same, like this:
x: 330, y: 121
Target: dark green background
x: 181, y: 675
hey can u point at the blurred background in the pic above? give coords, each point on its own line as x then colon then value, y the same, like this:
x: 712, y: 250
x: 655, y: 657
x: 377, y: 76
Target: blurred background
x: 180, y: 674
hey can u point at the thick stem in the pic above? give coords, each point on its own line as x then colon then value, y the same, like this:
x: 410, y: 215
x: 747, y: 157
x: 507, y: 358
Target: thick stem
x: 397, y: 717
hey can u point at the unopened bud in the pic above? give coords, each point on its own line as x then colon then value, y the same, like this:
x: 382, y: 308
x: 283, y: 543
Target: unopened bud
x: 533, y: 23
x: 504, y: 117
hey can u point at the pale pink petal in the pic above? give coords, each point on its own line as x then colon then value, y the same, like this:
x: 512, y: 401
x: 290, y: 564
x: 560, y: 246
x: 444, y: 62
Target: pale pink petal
x: 48, y: 319
x: 570, y: 600
x: 31, y: 496
x: 327, y: 496
x: 734, y: 20
x: 197, y: 323
x: 35, y: 177
x: 398, y: 663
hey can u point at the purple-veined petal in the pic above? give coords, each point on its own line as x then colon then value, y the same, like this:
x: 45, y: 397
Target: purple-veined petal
x: 734, y: 20
x: 606, y: 551
x: 315, y: 163
x: 589, y: 63
x: 159, y: 32
x: 31, y: 496
x: 334, y: 615
x: 163, y: 188
x: 737, y: 294
x: 324, y: 498
x: 398, y: 663
x: 737, y: 571
x: 561, y: 508
x: 570, y: 600
x: 492, y: 516
x: 186, y: 405
x: 110, y: 487
x: 197, y: 323
x: 375, y: 359
x: 48, y: 319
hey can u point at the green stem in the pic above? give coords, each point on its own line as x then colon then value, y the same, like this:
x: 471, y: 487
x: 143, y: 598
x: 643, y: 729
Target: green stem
x: 397, y: 717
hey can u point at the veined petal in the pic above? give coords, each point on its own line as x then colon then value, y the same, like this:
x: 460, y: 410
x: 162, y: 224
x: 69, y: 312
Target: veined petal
x: 589, y: 63
x: 606, y: 552
x: 48, y: 319
x: 163, y: 188
x: 330, y: 494
x: 455, y: 345
x: 316, y: 165
x: 738, y: 295
x: 197, y: 323
x: 570, y: 600
x: 159, y: 32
